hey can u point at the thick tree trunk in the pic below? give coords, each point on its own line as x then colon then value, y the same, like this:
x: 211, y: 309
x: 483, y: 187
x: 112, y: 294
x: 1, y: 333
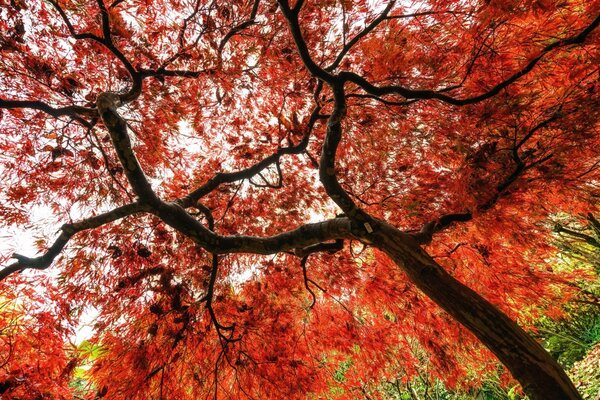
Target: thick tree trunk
x: 539, y: 374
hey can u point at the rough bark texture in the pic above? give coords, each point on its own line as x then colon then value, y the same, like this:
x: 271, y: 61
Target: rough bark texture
x: 539, y: 374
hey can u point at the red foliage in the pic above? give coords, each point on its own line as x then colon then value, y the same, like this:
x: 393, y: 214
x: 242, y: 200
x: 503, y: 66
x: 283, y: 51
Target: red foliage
x: 37, y: 359
x: 483, y: 109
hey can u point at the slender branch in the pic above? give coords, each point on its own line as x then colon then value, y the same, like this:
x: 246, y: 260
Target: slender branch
x: 307, y: 280
x: 536, y: 128
x: 107, y: 42
x: 382, y: 17
x: 181, y: 36
x: 105, y: 23
x: 209, y: 299
x: 72, y: 31
x: 431, y: 94
x: 471, y: 64
x: 307, y: 251
x: 238, y: 28
x: 66, y: 232
x: 292, y: 17
x: 579, y: 235
x: 327, y: 173
x: 247, y: 173
x: 136, y: 86
x: 425, y: 235
x: 72, y: 111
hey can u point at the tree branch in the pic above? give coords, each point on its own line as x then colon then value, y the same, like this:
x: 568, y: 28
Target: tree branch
x: 327, y: 162
x: 305, y: 235
x: 105, y: 23
x: 209, y: 299
x: 425, y: 235
x: 106, y: 41
x: 74, y: 34
x: 382, y: 17
x: 72, y: 111
x: 107, y: 104
x: 247, y: 173
x: 579, y: 235
x: 162, y: 72
x: 175, y: 216
x: 292, y: 17
x: 431, y: 94
x: 66, y: 232
x: 238, y: 28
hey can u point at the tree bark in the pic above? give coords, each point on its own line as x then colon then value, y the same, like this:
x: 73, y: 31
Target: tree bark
x: 539, y: 374
x: 541, y: 377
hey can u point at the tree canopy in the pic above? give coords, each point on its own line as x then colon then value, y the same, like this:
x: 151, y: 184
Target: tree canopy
x: 284, y: 200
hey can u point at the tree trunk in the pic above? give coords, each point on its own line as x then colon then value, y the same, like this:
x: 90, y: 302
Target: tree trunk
x: 539, y: 374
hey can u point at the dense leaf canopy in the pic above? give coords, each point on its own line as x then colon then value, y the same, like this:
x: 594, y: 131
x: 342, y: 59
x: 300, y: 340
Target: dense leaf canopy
x: 203, y: 177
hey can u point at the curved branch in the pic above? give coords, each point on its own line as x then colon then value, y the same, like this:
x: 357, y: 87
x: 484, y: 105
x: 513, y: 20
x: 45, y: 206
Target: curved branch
x: 247, y: 173
x: 72, y: 31
x: 432, y: 94
x: 175, y: 215
x: 334, y: 126
x: 66, y: 232
x: 107, y: 104
x: 382, y: 17
x: 305, y: 235
x: 292, y: 17
x: 105, y: 22
x: 236, y: 29
x: 425, y: 235
x: 300, y: 238
x: 308, y: 281
x: 106, y: 41
x: 71, y: 111
x: 136, y: 85
x: 327, y: 162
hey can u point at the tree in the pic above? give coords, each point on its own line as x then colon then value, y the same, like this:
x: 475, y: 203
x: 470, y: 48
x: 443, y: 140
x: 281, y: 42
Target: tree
x: 187, y: 147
